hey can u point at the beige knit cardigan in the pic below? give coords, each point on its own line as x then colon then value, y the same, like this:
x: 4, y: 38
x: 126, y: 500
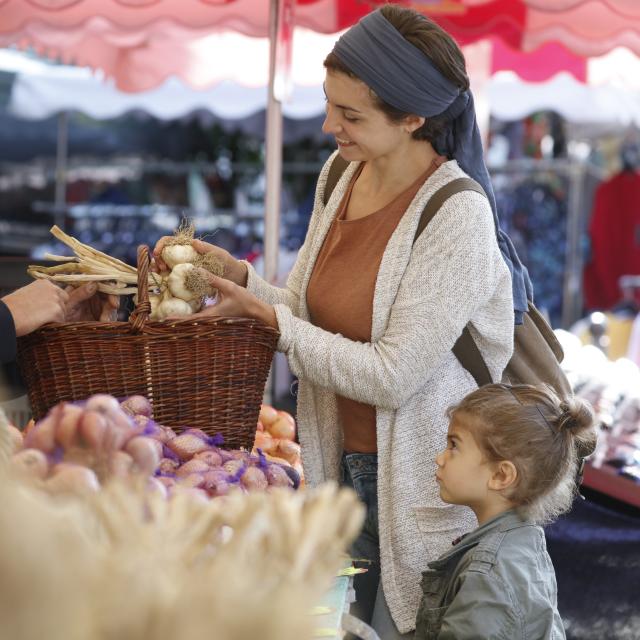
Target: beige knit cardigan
x: 424, y: 295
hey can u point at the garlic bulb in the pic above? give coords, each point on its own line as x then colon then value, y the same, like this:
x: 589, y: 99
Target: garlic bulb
x: 177, y: 285
x: 155, y: 300
x: 175, y: 254
x: 173, y: 307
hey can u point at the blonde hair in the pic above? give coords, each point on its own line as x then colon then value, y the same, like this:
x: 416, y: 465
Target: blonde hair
x: 543, y: 436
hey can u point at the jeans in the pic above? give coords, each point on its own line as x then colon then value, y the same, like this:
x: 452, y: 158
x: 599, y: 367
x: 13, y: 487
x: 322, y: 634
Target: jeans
x: 360, y: 472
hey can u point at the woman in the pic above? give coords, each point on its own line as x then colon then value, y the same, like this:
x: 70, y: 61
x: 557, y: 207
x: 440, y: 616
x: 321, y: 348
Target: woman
x: 368, y: 318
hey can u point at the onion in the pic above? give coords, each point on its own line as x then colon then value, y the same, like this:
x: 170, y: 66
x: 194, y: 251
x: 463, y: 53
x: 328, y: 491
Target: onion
x: 70, y: 478
x: 137, y: 406
x: 264, y: 441
x: 191, y: 480
x: 175, y: 254
x: 168, y: 466
x: 253, y: 479
x: 94, y: 430
x: 267, y: 415
x: 215, y: 482
x: 120, y: 464
x: 288, y: 450
x: 282, y: 427
x: 144, y: 453
x: 212, y: 458
x: 277, y: 476
x: 232, y: 467
x: 186, y: 445
x: 30, y: 462
x: 102, y: 403
x: 67, y: 428
x: 193, y: 466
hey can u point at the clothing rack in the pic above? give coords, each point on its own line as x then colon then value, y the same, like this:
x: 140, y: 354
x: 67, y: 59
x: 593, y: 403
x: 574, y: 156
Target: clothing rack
x: 576, y: 173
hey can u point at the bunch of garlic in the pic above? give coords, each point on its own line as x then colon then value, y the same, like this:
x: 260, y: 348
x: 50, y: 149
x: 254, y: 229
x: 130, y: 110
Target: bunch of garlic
x: 182, y: 290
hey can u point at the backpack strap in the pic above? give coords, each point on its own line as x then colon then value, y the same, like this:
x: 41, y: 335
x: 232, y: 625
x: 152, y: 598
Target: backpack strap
x: 465, y: 349
x: 336, y: 170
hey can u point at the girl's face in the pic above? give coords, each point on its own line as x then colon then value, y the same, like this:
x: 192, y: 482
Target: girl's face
x: 463, y: 474
x: 361, y: 130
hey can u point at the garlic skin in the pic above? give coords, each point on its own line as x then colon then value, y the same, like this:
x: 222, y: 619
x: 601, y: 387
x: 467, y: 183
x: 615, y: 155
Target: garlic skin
x: 176, y: 283
x: 176, y: 254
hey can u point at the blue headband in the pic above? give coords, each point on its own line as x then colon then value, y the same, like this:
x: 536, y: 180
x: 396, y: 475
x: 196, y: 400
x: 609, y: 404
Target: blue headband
x: 401, y: 75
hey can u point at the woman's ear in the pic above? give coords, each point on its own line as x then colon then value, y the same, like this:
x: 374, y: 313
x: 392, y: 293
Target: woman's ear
x: 504, y: 476
x: 413, y: 122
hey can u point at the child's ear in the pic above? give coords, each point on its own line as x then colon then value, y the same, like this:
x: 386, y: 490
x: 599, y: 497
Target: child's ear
x: 504, y: 476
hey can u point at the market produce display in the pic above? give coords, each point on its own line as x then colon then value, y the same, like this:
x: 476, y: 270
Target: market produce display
x: 80, y: 446
x: 126, y: 563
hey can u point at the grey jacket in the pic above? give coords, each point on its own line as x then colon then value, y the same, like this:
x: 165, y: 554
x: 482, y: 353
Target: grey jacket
x: 496, y: 582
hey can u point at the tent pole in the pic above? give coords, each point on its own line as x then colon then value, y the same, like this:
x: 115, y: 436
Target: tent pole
x: 273, y: 155
x: 61, y: 168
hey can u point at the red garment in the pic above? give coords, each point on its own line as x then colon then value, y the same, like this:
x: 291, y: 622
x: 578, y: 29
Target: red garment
x: 615, y: 239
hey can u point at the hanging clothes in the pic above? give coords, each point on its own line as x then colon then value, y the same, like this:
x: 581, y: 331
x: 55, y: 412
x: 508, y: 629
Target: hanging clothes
x: 614, y: 233
x: 533, y: 210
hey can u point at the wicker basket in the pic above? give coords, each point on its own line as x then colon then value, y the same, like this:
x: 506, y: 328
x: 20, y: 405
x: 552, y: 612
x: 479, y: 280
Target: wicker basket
x: 208, y: 374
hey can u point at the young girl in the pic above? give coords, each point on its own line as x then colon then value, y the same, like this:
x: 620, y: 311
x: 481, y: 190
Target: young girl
x: 512, y: 456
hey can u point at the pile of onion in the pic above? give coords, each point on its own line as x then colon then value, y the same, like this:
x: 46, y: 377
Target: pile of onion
x: 275, y: 437
x: 76, y: 446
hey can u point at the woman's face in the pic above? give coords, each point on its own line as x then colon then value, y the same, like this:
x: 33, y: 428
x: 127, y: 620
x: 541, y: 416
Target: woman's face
x: 361, y: 130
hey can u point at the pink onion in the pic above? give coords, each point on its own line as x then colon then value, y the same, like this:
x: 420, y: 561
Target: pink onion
x: 144, y: 453
x: 137, y: 406
x: 192, y: 466
x: 67, y: 429
x: 277, y: 476
x: 168, y: 466
x: 186, y: 445
x: 102, y: 403
x: 211, y: 457
x: 120, y: 464
x: 93, y: 430
x: 253, y: 479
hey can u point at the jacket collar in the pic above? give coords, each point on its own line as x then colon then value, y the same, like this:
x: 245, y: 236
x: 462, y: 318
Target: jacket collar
x: 504, y: 522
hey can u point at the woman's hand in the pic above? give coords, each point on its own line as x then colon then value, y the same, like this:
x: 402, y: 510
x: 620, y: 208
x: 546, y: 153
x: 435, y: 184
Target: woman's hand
x: 234, y: 270
x: 234, y: 301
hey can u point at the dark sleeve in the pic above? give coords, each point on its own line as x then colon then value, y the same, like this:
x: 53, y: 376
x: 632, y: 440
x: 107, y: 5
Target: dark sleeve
x: 8, y: 343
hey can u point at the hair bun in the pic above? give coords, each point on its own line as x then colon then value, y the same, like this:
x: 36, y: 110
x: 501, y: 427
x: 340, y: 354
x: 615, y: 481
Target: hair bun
x: 578, y: 419
x: 575, y: 415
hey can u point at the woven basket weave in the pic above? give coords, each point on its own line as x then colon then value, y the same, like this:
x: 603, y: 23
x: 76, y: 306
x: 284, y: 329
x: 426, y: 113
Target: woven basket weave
x: 207, y: 374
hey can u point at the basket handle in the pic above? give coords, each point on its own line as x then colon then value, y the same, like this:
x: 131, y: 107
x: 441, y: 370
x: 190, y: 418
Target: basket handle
x: 140, y: 314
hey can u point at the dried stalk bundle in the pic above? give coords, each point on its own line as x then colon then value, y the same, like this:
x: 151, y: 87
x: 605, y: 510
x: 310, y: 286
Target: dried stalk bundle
x: 90, y: 265
x: 125, y: 563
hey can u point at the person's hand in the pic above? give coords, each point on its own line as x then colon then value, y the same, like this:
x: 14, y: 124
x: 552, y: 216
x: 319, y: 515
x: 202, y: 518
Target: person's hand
x: 86, y: 304
x: 234, y: 301
x: 36, y: 304
x: 234, y: 270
